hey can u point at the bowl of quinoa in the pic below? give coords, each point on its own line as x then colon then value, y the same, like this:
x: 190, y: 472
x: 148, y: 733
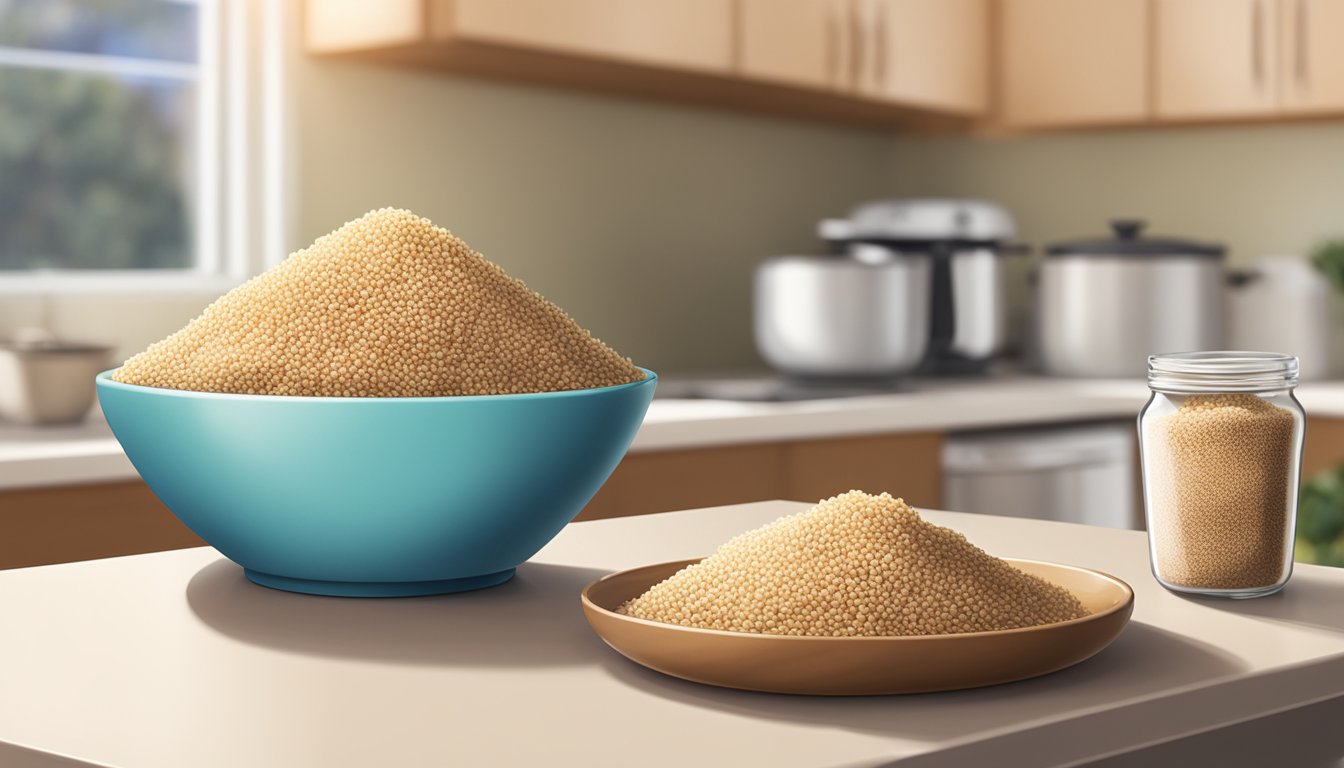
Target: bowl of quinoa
x: 384, y: 413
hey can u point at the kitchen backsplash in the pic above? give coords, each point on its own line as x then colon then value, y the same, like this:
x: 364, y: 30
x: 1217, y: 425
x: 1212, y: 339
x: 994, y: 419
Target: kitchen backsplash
x: 644, y: 220
x: 1261, y: 190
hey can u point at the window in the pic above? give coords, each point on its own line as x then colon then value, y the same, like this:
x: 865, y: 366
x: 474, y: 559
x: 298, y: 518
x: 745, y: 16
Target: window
x: 125, y: 145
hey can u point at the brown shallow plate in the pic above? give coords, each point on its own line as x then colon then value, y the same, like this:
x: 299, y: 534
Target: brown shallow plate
x: 859, y: 666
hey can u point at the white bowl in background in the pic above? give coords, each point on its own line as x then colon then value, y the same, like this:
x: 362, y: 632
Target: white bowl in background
x: 49, y: 382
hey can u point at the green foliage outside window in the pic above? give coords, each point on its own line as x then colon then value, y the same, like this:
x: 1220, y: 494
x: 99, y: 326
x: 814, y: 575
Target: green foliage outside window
x: 90, y: 174
x: 97, y: 133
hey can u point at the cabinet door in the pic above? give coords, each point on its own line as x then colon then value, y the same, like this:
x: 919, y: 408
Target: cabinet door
x: 1312, y: 56
x: 794, y: 42
x: 687, y: 34
x: 1216, y: 58
x: 1073, y: 62
x: 929, y: 53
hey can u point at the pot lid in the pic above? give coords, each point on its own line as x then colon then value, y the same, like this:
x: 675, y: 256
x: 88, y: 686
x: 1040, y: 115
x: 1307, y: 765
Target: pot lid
x: 921, y: 220
x: 1128, y: 240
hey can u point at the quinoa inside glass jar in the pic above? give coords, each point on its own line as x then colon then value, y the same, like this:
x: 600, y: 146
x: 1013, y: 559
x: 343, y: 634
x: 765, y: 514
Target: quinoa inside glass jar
x: 1221, y: 447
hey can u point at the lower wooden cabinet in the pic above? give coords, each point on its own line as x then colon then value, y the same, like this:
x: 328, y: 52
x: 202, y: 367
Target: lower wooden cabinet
x: 61, y: 524
x: 1324, y: 447
x: 41, y: 526
x: 908, y: 465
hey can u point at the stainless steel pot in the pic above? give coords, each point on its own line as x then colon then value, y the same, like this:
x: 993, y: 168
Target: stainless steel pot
x: 966, y: 240
x: 1106, y: 304
x: 916, y: 281
x: 865, y: 315
x: 978, y: 299
x: 49, y: 382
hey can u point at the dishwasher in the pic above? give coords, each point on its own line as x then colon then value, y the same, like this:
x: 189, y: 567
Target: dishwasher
x: 1076, y: 474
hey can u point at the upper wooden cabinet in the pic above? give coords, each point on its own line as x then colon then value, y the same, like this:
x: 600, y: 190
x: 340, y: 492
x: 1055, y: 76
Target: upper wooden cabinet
x: 794, y: 42
x: 358, y: 25
x: 1311, y: 56
x: 930, y: 53
x: 692, y: 34
x: 925, y: 63
x: 1066, y: 63
x: 1216, y: 58
x: 1073, y: 62
x: 668, y: 34
x: 888, y: 62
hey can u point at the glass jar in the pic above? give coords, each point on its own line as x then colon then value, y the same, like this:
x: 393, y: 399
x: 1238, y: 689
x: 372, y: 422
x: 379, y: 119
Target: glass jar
x: 1220, y: 442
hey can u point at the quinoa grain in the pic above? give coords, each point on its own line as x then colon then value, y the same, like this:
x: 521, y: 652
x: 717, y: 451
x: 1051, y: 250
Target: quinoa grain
x: 389, y: 305
x: 1219, y: 471
x: 855, y: 565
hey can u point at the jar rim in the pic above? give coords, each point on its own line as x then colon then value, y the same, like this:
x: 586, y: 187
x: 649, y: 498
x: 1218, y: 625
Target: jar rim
x: 1222, y: 371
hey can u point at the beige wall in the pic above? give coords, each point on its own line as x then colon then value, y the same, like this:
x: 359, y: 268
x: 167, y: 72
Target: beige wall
x: 1261, y: 190
x: 644, y: 221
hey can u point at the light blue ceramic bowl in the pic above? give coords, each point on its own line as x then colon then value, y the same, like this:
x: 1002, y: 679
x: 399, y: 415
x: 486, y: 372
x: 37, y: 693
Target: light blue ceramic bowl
x: 375, y: 497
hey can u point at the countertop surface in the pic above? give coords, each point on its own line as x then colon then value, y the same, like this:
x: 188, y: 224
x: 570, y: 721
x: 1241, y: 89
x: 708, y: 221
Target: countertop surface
x: 174, y: 659
x: 31, y: 456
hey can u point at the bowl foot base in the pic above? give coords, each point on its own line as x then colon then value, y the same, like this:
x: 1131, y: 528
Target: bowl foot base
x: 377, y: 588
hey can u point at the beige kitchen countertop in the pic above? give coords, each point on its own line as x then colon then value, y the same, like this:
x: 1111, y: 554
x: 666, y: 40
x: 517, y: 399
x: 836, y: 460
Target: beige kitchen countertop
x: 174, y: 659
x: 31, y: 456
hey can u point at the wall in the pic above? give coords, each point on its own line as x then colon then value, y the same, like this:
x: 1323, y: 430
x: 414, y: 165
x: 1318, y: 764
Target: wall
x: 645, y: 221
x: 129, y: 321
x: 1260, y: 189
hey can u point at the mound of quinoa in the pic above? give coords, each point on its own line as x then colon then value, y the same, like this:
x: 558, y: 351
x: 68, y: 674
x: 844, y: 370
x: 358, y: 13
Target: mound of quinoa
x: 389, y: 305
x: 1219, y: 474
x: 854, y: 565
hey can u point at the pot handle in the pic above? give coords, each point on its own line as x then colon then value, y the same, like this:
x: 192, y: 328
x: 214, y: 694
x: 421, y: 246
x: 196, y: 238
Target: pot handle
x: 1239, y: 278
x: 1128, y: 229
x: 942, y: 323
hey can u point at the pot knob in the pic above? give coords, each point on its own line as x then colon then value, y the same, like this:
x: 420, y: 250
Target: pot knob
x: 1128, y: 229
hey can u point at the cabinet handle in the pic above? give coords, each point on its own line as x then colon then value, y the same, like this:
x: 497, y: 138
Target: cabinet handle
x: 1257, y: 43
x: 856, y: 45
x: 1303, y: 34
x: 880, y: 46
x: 832, y: 43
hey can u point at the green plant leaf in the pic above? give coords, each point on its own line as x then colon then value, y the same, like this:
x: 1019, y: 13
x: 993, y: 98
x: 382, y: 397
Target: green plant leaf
x: 1320, y: 519
x: 1328, y: 258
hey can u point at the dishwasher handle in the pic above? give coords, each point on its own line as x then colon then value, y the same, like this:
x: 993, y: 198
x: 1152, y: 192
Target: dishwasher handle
x: 971, y: 457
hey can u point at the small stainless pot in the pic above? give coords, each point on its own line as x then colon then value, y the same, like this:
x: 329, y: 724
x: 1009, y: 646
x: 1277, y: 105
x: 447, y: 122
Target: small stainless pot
x: 975, y: 298
x: 966, y: 241
x: 1105, y: 305
x: 50, y: 382
x: 861, y: 315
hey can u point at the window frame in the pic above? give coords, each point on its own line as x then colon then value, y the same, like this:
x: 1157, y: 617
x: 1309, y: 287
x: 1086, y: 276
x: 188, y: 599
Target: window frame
x: 242, y: 207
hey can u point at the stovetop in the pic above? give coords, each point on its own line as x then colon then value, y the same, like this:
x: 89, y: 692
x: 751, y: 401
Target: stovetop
x: 773, y: 388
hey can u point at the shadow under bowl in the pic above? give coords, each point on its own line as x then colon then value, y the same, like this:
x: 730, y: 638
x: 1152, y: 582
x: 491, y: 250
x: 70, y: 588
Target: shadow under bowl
x: 375, y: 497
